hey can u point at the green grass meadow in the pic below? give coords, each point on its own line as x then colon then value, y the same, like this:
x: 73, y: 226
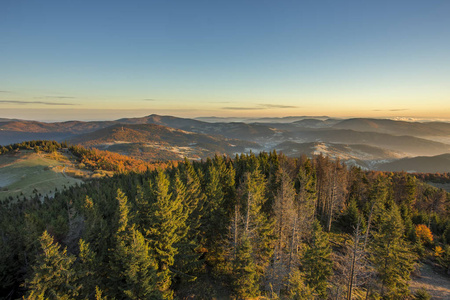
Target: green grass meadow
x: 23, y: 175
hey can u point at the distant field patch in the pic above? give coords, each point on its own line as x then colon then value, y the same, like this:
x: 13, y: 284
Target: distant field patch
x: 29, y: 173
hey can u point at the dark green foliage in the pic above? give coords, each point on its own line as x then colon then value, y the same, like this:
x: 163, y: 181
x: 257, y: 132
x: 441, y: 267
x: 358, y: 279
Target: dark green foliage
x: 147, y: 235
x: 245, y: 272
x: 350, y: 217
x: 392, y: 256
x: 86, y: 270
x: 166, y: 219
x: 316, y: 262
x: 53, y: 273
x: 139, y: 272
x: 37, y: 146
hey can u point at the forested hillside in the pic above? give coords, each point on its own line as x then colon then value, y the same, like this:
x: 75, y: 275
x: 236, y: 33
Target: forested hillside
x: 255, y: 225
x: 368, y: 143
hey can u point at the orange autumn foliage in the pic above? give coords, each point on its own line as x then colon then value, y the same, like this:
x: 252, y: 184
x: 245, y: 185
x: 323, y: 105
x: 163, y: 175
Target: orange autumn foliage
x: 423, y: 234
x: 95, y: 159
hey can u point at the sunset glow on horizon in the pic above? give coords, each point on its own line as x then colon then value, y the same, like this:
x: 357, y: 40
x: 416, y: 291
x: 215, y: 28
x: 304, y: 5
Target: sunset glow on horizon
x: 64, y: 60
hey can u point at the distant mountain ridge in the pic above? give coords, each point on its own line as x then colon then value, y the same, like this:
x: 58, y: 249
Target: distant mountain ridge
x: 408, y: 138
x: 421, y: 164
x: 395, y: 127
x: 151, y: 141
x: 288, y: 119
x: 408, y: 144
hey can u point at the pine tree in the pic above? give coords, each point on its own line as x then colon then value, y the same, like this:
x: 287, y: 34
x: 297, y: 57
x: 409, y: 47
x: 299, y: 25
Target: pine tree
x: 214, y: 219
x: 256, y: 225
x: 53, y: 274
x: 140, y: 273
x: 316, y: 262
x: 298, y: 290
x: 306, y: 186
x: 392, y: 256
x: 351, y: 217
x: 246, y: 282
x: 122, y: 213
x: 191, y: 242
x: 87, y: 270
x: 134, y: 270
x: 163, y: 231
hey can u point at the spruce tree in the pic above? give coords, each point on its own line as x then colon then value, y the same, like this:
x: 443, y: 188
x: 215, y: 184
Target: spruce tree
x: 246, y: 283
x: 256, y: 224
x: 298, y: 290
x: 163, y: 232
x: 392, y: 256
x: 134, y: 271
x: 86, y: 269
x: 140, y: 273
x: 53, y: 273
x: 214, y: 219
x: 316, y: 262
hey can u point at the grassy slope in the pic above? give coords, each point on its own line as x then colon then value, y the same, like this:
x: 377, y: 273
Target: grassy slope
x: 438, y: 285
x: 23, y: 173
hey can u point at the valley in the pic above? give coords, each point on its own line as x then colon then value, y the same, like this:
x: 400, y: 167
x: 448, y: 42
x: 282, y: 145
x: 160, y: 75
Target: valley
x: 372, y: 144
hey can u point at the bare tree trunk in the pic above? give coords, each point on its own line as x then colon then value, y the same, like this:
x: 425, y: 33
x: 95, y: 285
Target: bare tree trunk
x: 235, y: 229
x: 247, y: 216
x: 352, y: 270
x: 368, y: 225
x: 291, y: 250
x: 332, y: 199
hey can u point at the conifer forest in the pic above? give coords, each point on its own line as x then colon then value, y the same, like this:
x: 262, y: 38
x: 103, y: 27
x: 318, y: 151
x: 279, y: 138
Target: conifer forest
x: 253, y: 226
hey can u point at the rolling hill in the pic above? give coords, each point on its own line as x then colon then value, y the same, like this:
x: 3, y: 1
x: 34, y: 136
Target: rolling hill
x: 421, y: 164
x: 233, y: 130
x: 359, y: 155
x: 395, y: 127
x: 65, y: 130
x: 157, y: 142
x: 196, y: 138
x: 27, y: 173
x: 412, y: 146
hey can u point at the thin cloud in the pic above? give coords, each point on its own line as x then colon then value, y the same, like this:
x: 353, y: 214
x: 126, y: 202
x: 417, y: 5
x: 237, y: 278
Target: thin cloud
x: 242, y: 108
x: 55, y: 97
x: 5, y: 92
x: 399, y: 109
x: 259, y: 107
x: 395, y: 109
x: 34, y: 102
x: 277, y: 106
x: 149, y: 100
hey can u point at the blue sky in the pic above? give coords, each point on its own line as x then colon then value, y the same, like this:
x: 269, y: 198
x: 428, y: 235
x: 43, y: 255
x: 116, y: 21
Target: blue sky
x: 108, y: 59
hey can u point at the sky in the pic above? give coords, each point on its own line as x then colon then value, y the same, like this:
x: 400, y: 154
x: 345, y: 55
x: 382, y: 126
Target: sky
x: 95, y: 60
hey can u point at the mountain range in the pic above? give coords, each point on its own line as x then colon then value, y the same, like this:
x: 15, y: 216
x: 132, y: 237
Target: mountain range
x: 369, y: 143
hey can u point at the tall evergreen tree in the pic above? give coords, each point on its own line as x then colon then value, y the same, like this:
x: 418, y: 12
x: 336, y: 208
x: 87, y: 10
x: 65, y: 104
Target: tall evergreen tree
x: 316, y: 262
x: 246, y: 282
x: 140, y: 273
x: 163, y: 232
x: 53, y: 274
x: 392, y: 256
x: 86, y: 270
x: 214, y: 219
x: 134, y: 270
x: 256, y: 224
